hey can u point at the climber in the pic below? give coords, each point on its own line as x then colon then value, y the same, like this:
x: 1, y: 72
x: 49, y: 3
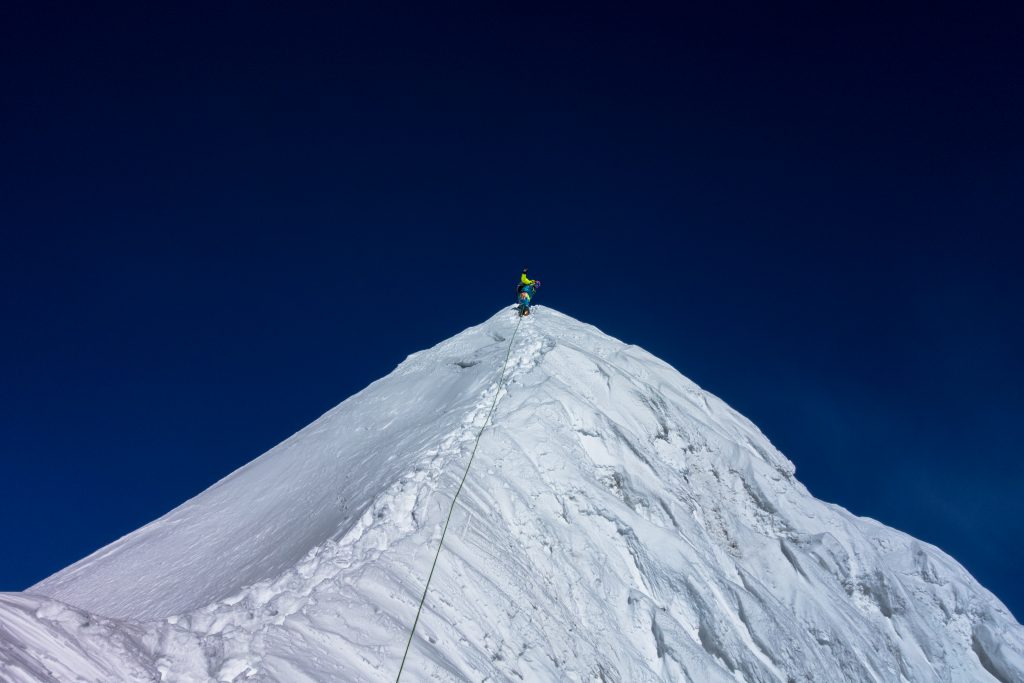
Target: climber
x: 524, y: 281
x: 525, y: 291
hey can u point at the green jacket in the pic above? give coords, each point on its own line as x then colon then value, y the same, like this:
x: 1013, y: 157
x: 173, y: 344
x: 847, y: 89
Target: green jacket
x: 525, y: 280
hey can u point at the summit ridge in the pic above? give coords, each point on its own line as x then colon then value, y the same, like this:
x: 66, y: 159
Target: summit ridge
x: 619, y: 524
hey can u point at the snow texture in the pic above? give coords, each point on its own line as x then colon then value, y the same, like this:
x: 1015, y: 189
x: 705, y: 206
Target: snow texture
x: 619, y: 524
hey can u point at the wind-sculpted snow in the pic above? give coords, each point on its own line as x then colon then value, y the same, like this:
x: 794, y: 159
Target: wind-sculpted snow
x: 619, y: 524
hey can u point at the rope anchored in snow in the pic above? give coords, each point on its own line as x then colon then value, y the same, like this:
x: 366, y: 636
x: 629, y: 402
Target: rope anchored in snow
x: 451, y: 510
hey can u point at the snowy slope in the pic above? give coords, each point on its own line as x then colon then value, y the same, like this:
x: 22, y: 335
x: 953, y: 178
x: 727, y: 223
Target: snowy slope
x: 619, y: 524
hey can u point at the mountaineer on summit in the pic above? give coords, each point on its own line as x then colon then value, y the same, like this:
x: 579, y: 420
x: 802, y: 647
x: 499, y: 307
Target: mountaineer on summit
x: 525, y: 291
x: 523, y: 280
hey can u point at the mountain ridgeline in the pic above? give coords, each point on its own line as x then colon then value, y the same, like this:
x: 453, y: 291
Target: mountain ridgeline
x: 618, y: 524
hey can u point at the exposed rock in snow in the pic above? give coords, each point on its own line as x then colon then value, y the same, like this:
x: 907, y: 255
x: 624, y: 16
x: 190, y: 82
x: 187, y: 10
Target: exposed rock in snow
x: 619, y: 524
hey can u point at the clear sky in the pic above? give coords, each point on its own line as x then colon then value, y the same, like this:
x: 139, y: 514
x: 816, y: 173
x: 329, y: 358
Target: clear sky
x: 219, y: 220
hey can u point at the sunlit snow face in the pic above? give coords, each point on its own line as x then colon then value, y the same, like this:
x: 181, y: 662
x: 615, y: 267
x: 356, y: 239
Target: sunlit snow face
x: 617, y: 523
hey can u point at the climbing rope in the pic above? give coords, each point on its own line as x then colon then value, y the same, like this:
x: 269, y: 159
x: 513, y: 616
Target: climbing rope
x: 494, y: 403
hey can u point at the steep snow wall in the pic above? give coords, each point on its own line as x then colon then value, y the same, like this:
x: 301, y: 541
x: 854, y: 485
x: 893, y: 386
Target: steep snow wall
x: 619, y: 524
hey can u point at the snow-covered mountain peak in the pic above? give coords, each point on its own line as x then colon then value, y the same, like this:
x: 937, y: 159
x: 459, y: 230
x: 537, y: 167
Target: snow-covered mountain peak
x: 618, y: 524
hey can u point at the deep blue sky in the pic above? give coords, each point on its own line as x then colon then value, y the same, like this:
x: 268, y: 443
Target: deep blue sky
x: 219, y: 221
